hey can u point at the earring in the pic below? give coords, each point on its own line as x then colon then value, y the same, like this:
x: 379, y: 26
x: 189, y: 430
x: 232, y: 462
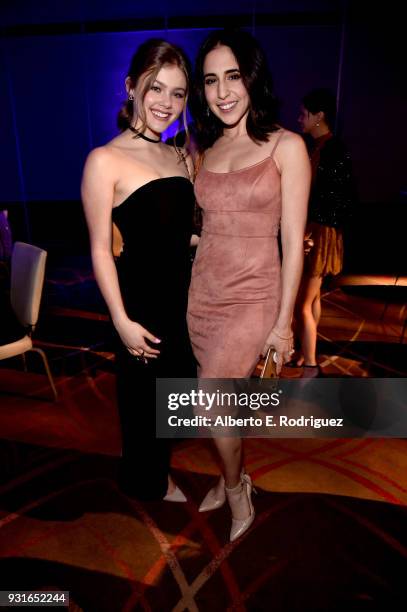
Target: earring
x: 208, y: 112
x: 131, y: 97
x: 317, y: 124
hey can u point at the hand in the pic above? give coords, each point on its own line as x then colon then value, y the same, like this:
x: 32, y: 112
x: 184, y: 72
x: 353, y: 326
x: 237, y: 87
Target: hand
x: 134, y: 336
x: 308, y: 243
x: 283, y: 343
x: 194, y: 240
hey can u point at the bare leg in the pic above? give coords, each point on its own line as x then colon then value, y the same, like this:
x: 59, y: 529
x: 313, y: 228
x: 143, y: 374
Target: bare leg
x: 230, y: 452
x: 309, y: 304
x: 231, y: 484
x: 316, y: 308
x: 298, y: 358
x: 298, y: 324
x: 229, y: 447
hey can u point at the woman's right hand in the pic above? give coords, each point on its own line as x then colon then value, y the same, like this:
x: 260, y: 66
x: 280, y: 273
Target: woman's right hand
x: 134, y: 336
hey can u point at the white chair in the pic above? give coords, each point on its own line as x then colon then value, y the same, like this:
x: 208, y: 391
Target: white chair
x: 27, y: 280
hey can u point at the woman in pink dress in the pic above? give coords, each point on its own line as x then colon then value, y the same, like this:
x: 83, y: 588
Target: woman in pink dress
x: 253, y: 181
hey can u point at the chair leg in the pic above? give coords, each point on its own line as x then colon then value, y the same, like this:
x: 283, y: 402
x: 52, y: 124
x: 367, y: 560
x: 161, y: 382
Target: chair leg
x: 47, y: 369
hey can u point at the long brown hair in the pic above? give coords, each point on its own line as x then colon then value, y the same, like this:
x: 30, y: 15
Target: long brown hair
x: 261, y: 120
x: 145, y: 64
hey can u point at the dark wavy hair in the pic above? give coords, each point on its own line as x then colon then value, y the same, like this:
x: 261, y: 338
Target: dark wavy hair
x: 321, y: 99
x: 255, y: 73
x: 147, y: 62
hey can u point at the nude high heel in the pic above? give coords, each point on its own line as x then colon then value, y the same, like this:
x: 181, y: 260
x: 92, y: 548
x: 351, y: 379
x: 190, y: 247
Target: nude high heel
x: 176, y: 496
x: 215, y: 497
x: 238, y: 497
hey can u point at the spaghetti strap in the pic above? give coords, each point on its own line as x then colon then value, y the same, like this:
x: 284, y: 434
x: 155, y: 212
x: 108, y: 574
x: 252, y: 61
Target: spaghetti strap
x: 276, y: 143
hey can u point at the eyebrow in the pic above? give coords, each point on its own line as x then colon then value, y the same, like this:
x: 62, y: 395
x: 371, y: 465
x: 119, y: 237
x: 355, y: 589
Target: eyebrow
x: 164, y: 85
x: 226, y: 72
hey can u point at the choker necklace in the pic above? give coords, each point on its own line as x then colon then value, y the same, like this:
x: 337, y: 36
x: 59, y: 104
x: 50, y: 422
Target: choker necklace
x: 143, y: 136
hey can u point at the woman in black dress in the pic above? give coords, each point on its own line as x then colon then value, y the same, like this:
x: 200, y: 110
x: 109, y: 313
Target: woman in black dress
x: 137, y: 188
x: 331, y: 198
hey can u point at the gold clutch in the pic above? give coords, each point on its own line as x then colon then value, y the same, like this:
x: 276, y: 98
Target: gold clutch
x: 269, y: 369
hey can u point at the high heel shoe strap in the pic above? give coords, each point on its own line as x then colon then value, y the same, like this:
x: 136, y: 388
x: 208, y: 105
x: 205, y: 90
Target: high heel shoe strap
x: 244, y: 479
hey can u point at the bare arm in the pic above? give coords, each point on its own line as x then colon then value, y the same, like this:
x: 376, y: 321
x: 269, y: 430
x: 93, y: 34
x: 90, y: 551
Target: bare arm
x: 295, y: 185
x: 97, y: 196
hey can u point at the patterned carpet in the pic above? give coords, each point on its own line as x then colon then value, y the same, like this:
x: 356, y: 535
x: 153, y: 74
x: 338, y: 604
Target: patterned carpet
x: 330, y: 532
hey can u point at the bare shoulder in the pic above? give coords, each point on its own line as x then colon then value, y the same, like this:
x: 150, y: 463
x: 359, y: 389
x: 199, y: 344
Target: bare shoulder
x: 100, y: 157
x: 104, y: 161
x: 290, y: 142
x: 286, y: 139
x: 291, y: 149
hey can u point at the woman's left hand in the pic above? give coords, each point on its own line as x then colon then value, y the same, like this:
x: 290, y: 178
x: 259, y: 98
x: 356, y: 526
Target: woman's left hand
x: 308, y: 243
x: 194, y: 240
x: 283, y: 343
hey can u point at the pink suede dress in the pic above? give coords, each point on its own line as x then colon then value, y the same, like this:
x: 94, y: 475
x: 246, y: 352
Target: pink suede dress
x: 235, y: 291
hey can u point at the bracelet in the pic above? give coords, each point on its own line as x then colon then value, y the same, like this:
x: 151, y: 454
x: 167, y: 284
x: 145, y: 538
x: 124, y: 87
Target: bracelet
x: 282, y: 337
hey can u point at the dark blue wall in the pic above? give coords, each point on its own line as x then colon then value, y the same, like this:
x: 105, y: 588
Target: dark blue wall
x: 59, y: 94
x: 66, y: 91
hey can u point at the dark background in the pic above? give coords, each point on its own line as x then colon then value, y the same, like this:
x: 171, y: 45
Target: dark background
x: 63, y: 66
